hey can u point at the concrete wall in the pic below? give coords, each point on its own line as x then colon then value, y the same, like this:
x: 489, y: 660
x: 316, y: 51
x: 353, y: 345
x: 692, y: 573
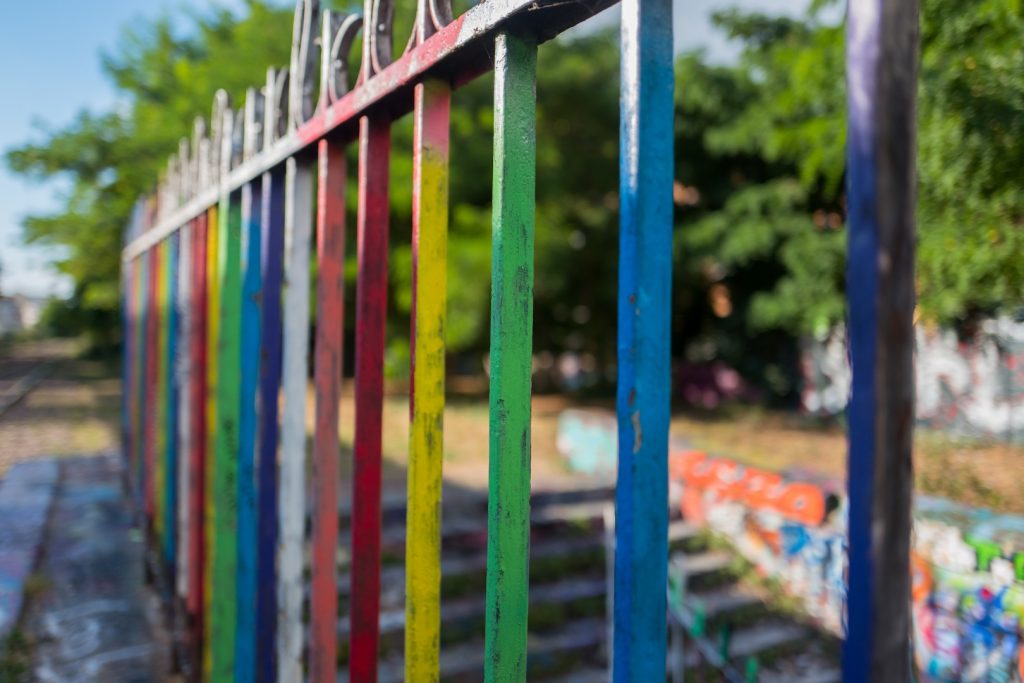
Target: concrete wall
x: 972, y: 388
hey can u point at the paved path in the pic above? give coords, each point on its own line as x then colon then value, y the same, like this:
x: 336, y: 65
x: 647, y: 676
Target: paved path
x: 94, y: 620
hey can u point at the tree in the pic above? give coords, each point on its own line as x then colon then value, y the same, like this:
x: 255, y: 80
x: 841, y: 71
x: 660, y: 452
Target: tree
x: 166, y: 77
x: 759, y: 147
x: 791, y: 222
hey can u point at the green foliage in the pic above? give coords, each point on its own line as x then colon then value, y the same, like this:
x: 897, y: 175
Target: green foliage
x: 760, y: 234
x: 166, y: 77
x: 970, y: 142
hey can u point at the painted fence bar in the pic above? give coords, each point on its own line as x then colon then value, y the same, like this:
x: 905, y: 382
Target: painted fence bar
x: 194, y: 600
x: 330, y: 239
x: 371, y: 312
x: 881, y: 54
x: 292, y: 481
x: 184, y: 377
x: 169, y: 498
x: 508, y: 502
x: 216, y: 308
x: 644, y: 322
x: 245, y: 642
x: 426, y: 392
x: 272, y: 239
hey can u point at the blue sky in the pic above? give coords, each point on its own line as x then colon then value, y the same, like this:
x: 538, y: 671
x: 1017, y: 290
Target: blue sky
x: 51, y: 52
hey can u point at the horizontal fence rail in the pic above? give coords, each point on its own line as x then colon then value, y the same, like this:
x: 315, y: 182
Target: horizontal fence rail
x: 217, y: 297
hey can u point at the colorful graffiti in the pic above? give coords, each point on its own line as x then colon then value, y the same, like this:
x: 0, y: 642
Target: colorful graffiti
x: 968, y: 568
x: 968, y: 563
x: 790, y: 528
x: 974, y: 387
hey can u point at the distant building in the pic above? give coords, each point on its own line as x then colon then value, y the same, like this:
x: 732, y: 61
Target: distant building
x: 10, y: 317
x: 31, y: 309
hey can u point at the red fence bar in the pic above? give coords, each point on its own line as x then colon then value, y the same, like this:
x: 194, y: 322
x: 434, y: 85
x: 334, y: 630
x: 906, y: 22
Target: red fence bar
x: 371, y: 316
x: 330, y: 238
x: 881, y: 57
x: 184, y: 372
x: 197, y: 454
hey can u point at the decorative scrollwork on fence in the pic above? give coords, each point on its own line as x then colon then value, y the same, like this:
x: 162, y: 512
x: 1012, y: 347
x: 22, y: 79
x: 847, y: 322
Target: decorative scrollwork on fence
x: 184, y: 172
x: 431, y: 17
x: 338, y: 33
x: 221, y: 104
x: 305, y: 32
x: 253, y: 124
x: 290, y: 97
x: 380, y: 17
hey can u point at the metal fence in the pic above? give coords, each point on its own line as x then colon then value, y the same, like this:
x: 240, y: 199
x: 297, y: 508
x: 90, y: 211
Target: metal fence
x: 216, y: 305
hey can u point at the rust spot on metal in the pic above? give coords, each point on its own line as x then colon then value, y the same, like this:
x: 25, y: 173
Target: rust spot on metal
x: 638, y: 436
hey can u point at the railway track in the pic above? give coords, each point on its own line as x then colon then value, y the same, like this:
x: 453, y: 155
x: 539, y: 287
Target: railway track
x: 18, y: 377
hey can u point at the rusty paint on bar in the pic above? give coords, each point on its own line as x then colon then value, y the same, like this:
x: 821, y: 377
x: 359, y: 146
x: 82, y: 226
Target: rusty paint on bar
x: 371, y: 315
x: 508, y: 503
x: 426, y: 399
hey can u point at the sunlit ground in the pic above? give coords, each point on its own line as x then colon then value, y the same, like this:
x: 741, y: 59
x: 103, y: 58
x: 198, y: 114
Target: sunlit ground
x: 75, y: 411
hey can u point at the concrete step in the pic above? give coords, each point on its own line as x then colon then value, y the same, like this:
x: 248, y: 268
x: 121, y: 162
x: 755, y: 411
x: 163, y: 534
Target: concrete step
x: 550, y: 549
x: 474, y: 608
x: 758, y: 640
x: 696, y: 566
x: 546, y: 654
x: 721, y: 602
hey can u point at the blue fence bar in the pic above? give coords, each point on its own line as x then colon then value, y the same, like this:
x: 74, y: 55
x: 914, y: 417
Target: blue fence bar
x: 272, y: 237
x: 250, y: 362
x: 881, y: 85
x: 644, y: 312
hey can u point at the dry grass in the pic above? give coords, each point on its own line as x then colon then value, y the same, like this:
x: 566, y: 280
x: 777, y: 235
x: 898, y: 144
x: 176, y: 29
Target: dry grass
x: 465, y: 439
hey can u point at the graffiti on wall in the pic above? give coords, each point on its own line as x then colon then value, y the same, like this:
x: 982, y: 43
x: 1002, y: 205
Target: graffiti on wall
x: 790, y: 528
x: 588, y: 439
x: 973, y: 387
x: 967, y: 568
x: 968, y: 564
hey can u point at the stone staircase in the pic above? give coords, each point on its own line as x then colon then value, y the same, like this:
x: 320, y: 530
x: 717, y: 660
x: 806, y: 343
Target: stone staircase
x: 568, y: 631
